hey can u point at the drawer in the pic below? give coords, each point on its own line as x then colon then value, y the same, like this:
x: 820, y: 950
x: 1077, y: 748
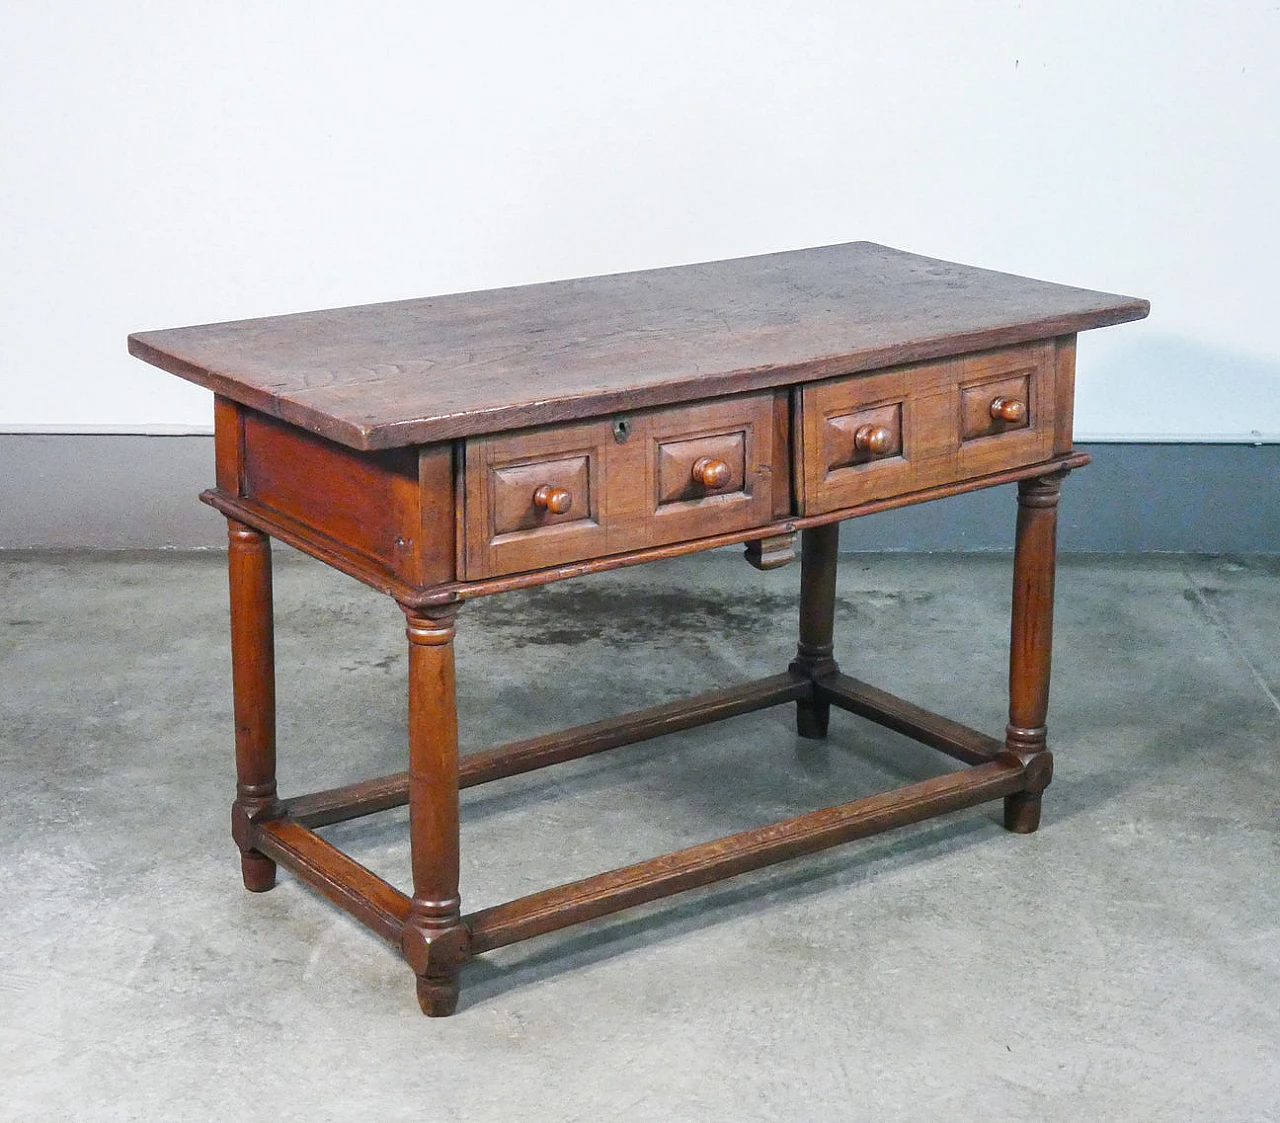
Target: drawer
x: 875, y: 436
x: 696, y: 470
x: 1006, y: 412
x: 565, y: 493
x: 535, y: 498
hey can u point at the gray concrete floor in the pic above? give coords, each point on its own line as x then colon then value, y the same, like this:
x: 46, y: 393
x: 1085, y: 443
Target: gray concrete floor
x: 1122, y: 964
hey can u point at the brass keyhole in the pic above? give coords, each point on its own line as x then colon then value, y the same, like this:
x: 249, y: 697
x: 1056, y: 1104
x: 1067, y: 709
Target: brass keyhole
x: 621, y: 429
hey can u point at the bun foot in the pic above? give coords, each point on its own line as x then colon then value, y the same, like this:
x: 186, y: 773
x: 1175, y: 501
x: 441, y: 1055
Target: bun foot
x: 259, y: 872
x: 437, y: 997
x: 1022, y: 812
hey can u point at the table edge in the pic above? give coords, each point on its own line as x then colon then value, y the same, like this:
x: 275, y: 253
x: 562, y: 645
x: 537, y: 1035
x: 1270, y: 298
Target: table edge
x: 447, y: 427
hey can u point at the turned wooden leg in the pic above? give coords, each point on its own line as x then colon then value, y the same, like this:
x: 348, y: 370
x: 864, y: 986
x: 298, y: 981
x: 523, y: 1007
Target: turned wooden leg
x: 253, y: 679
x: 1031, y: 644
x: 818, y: 547
x: 435, y: 943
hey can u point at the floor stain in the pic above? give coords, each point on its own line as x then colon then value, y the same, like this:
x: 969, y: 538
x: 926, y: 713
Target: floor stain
x: 564, y: 615
x: 556, y: 615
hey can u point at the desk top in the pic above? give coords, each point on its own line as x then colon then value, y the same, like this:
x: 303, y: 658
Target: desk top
x: 416, y: 371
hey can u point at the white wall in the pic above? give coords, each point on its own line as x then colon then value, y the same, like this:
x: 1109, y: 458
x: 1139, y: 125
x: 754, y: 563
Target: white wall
x: 173, y: 162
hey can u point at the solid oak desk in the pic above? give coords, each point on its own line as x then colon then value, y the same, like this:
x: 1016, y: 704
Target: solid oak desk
x: 457, y: 446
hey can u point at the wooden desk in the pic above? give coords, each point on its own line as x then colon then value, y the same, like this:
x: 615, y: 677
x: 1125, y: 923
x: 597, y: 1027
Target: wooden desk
x: 457, y: 446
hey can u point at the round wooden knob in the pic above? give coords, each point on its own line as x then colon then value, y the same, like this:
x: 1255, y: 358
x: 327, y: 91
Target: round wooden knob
x: 553, y: 499
x: 874, y: 439
x: 1008, y: 409
x: 710, y: 472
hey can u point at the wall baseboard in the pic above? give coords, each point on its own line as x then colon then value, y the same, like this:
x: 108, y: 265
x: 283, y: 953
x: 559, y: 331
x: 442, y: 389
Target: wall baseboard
x: 118, y: 491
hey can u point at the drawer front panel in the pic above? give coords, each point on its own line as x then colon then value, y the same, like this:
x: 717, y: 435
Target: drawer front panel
x: 542, y: 493
x: 876, y: 436
x: 707, y: 470
x: 693, y: 470
x: 988, y: 409
x: 1014, y: 377
x: 863, y: 436
x: 566, y: 493
x: 873, y: 436
x: 535, y: 498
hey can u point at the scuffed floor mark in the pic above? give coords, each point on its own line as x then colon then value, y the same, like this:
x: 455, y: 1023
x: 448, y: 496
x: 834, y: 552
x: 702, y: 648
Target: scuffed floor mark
x: 562, y: 615
x: 1196, y: 595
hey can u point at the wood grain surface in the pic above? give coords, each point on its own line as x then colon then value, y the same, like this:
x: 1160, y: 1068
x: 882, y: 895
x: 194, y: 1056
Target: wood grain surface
x: 409, y: 372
